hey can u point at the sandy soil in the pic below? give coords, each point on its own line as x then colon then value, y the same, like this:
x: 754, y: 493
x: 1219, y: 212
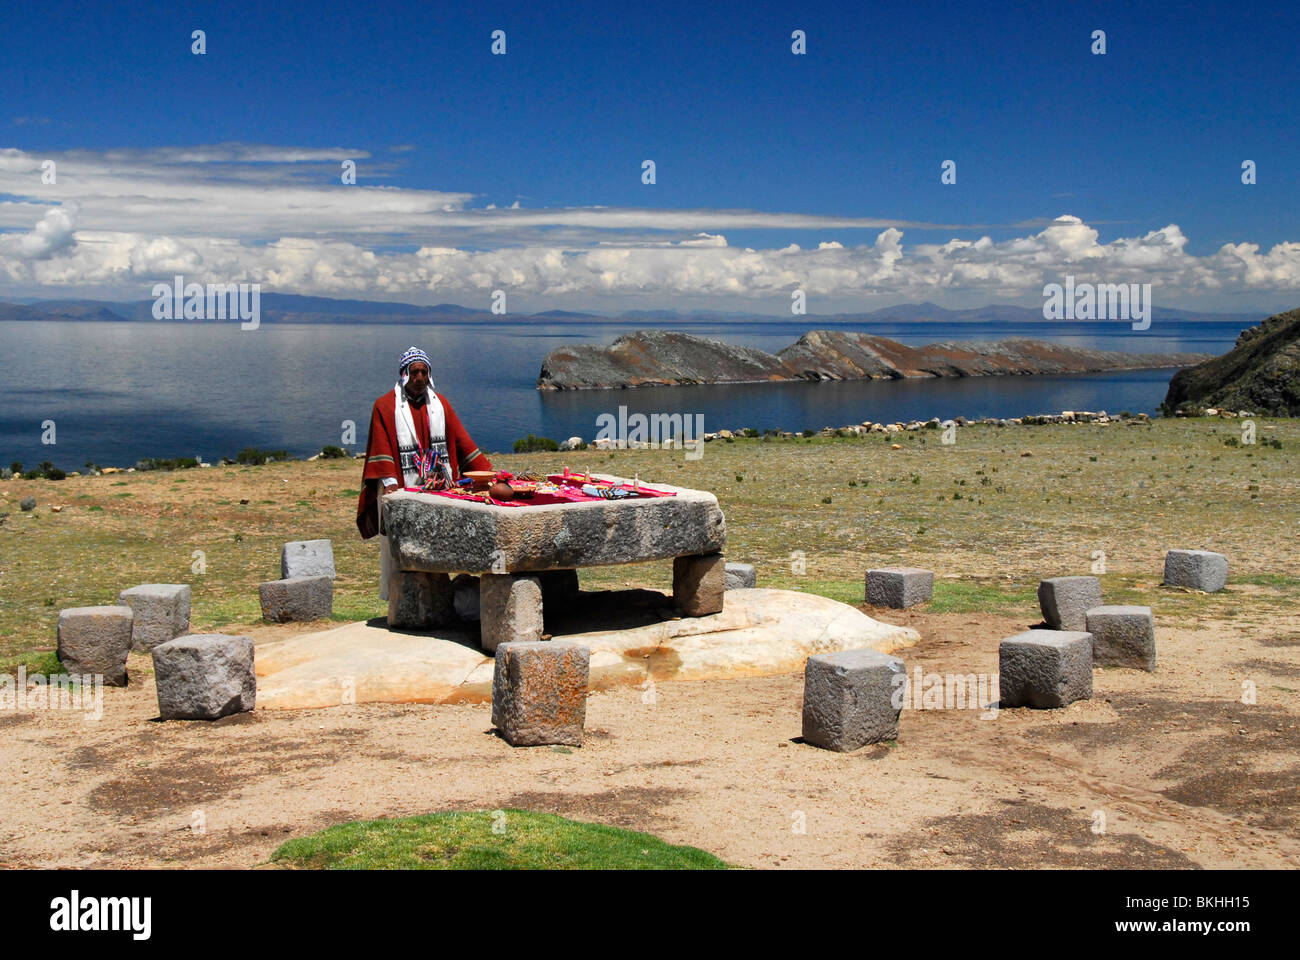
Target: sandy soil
x: 1184, y: 774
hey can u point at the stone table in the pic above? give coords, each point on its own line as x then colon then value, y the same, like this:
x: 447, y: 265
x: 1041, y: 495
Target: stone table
x: 526, y: 555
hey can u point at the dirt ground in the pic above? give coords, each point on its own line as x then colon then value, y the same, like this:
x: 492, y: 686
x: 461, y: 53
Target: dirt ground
x: 1168, y: 769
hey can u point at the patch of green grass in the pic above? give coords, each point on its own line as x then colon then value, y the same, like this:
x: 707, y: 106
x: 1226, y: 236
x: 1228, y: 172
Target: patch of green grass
x: 972, y: 596
x: 350, y: 608
x: 850, y: 592
x: 525, y: 840
x: 218, y: 612
x: 36, y: 661
x: 1266, y: 580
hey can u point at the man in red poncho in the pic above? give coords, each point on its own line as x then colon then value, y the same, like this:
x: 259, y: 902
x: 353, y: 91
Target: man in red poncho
x: 415, y: 437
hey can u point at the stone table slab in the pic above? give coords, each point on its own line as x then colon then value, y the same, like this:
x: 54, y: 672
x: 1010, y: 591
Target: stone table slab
x: 446, y: 535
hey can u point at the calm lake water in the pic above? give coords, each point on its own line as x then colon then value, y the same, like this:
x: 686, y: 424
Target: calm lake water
x: 121, y: 391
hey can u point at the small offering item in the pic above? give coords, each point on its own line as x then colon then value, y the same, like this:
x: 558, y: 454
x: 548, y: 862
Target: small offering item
x: 480, y: 479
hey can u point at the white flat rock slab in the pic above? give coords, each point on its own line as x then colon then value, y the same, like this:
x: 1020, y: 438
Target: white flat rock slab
x: 760, y: 632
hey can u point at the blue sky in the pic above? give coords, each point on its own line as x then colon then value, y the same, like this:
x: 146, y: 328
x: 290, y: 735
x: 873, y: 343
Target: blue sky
x: 832, y: 147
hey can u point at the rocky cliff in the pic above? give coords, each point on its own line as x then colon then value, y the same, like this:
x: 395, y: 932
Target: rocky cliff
x: 1261, y: 373
x: 667, y: 358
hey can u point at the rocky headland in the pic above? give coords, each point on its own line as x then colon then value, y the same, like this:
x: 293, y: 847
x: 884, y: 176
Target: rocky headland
x: 657, y: 358
x: 1261, y: 373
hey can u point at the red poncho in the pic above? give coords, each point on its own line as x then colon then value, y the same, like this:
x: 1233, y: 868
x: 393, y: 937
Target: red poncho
x: 383, y: 459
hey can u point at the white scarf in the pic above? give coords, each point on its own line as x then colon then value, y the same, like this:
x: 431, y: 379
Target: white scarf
x: 407, y: 442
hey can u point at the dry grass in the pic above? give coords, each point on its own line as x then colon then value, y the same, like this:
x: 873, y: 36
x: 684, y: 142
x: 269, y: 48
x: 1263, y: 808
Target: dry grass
x: 988, y: 520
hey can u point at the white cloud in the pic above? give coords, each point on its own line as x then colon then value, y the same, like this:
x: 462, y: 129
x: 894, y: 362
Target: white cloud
x: 124, y: 219
x: 52, y: 234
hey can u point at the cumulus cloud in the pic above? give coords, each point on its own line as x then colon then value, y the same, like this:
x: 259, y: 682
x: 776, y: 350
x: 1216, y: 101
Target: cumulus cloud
x: 278, y: 216
x: 52, y: 234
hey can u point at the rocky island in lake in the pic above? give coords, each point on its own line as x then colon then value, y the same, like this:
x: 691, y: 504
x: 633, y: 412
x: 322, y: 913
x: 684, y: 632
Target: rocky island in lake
x: 656, y: 358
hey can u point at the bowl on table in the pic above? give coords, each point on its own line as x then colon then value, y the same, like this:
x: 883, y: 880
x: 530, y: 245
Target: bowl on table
x: 482, y: 478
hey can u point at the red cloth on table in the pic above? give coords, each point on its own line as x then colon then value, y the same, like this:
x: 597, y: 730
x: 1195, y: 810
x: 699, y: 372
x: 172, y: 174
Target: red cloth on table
x: 382, y: 454
x: 569, y: 493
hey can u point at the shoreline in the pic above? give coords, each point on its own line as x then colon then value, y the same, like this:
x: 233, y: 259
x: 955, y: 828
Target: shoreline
x: 653, y: 384
x: 862, y: 429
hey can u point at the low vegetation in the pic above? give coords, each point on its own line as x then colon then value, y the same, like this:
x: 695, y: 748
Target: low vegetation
x: 487, y: 840
x: 1090, y: 498
x: 532, y: 444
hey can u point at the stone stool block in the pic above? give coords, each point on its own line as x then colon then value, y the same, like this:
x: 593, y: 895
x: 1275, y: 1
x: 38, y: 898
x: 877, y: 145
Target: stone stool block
x: 307, y: 558
x: 510, y: 609
x: 1123, y: 637
x: 899, y: 587
x: 203, y: 676
x: 420, y: 601
x: 298, y: 598
x: 698, y: 584
x: 1045, y: 668
x: 1065, y: 601
x: 162, y: 613
x: 849, y: 699
x: 1198, y: 569
x: 96, y: 640
x: 539, y: 692
x: 739, y: 576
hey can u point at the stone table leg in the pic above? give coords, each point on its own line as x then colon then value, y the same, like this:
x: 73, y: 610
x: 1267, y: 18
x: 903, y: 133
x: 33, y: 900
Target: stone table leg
x: 698, y: 584
x: 420, y: 601
x: 510, y: 608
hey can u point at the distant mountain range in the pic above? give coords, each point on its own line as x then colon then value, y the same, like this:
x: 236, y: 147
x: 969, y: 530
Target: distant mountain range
x: 293, y: 308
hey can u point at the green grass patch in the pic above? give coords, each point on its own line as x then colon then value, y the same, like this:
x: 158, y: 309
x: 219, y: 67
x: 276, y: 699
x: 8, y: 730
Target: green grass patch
x: 524, y: 840
x: 850, y: 592
x: 350, y: 608
x: 1266, y: 580
x: 36, y: 661
x: 972, y: 596
x: 219, y: 611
